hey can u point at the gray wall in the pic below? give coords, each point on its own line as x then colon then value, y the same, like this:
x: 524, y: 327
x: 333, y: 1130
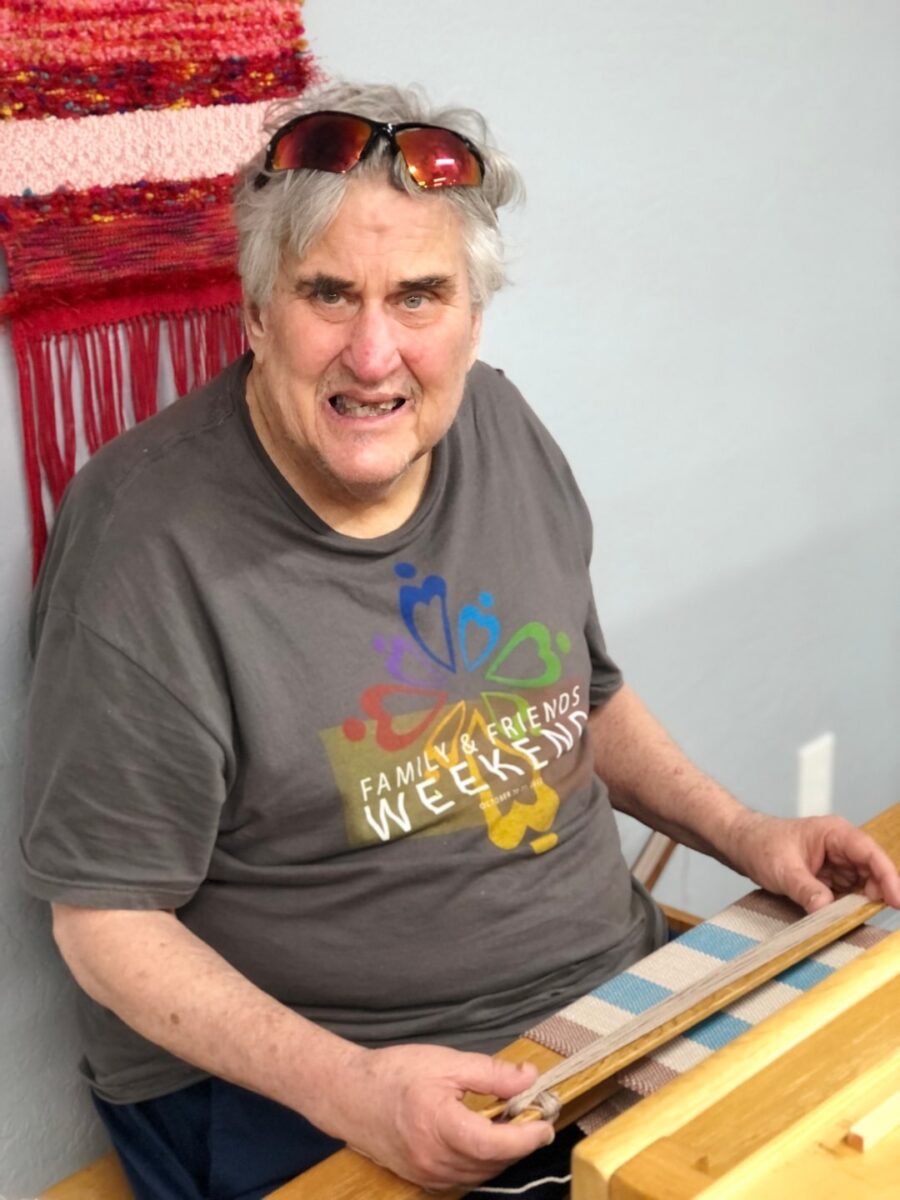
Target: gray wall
x: 705, y: 312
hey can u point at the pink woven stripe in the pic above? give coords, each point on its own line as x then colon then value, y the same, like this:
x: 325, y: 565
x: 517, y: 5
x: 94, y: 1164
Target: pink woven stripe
x: 562, y: 1035
x: 42, y: 156
x: 776, y: 907
x: 607, y: 1111
x: 646, y: 1077
x: 865, y: 936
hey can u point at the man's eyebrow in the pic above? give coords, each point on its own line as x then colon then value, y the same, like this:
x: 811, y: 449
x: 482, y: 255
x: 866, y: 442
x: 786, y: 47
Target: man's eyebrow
x: 320, y: 283
x: 428, y: 283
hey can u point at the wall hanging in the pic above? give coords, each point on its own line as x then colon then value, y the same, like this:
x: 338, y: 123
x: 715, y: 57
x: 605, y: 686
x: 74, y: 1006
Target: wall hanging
x: 122, y: 123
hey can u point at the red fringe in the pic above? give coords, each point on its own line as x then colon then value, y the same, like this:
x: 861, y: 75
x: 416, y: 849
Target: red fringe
x: 32, y: 465
x: 81, y: 387
x: 143, y: 353
x: 88, y: 406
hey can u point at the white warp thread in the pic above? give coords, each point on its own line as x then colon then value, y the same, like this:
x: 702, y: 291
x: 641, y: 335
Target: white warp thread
x: 520, y: 1191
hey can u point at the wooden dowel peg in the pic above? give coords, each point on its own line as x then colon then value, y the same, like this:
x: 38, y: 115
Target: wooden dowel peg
x: 870, y: 1129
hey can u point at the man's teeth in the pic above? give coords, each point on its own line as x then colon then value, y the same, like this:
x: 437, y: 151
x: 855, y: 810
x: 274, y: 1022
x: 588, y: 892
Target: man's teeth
x: 353, y: 408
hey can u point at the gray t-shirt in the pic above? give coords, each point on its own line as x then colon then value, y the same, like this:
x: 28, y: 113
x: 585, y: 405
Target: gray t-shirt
x: 358, y: 769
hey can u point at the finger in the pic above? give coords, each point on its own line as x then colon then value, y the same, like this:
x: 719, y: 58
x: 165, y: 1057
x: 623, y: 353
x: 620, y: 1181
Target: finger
x: 841, y: 884
x: 471, y: 1172
x: 492, y: 1142
x: 801, y: 886
x: 841, y: 877
x: 473, y: 1149
x: 872, y: 890
x: 493, y: 1076
x: 870, y: 861
x: 883, y: 874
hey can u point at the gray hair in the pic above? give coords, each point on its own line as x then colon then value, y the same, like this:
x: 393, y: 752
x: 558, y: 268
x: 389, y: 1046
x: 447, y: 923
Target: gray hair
x: 295, y: 207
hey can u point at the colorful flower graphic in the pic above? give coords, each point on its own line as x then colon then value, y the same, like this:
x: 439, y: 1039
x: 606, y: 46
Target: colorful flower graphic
x: 426, y: 754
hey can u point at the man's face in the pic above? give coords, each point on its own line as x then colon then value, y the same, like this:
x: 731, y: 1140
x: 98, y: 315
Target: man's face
x: 362, y: 352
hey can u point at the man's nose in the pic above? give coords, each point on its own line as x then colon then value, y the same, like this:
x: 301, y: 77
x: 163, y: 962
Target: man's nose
x: 372, y: 352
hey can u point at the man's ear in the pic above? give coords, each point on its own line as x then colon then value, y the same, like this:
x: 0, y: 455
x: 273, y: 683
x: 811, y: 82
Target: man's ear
x: 476, y: 334
x: 254, y: 325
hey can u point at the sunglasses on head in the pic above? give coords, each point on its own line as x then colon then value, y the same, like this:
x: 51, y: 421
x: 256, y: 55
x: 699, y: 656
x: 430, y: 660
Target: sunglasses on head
x: 335, y: 141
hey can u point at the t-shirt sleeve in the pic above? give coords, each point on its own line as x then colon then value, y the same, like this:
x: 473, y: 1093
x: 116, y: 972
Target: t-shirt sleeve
x: 123, y: 784
x: 606, y: 678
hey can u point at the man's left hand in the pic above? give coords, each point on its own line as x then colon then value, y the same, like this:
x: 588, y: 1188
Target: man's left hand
x: 811, y: 859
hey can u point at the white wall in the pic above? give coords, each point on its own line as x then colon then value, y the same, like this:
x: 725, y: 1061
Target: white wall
x: 705, y: 312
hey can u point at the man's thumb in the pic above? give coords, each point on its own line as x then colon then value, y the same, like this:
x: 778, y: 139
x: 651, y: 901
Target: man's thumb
x: 804, y: 889
x: 509, y: 1078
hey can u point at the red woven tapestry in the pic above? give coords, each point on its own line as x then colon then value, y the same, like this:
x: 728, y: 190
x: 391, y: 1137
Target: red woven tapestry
x: 121, y: 125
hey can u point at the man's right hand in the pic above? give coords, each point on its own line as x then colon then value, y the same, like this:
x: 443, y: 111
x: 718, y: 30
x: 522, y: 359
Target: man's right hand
x: 402, y: 1107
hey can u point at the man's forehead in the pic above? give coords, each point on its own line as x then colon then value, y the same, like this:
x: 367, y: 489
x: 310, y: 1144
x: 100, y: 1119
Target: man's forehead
x: 377, y: 221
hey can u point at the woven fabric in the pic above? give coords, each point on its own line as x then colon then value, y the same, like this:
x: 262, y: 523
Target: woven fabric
x: 686, y: 960
x: 75, y: 247
x: 122, y: 124
x: 38, y: 157
x: 74, y: 58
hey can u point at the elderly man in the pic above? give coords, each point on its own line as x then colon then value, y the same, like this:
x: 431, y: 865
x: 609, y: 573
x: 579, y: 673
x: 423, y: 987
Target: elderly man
x: 324, y: 740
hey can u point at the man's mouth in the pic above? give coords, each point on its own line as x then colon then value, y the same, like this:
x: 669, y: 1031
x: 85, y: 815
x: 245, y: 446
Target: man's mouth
x: 345, y: 406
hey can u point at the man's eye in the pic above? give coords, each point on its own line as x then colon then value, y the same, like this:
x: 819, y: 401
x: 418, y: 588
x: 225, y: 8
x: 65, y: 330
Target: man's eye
x: 329, y: 298
x: 414, y: 301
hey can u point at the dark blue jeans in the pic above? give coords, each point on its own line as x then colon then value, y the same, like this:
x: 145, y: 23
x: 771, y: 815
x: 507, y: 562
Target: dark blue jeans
x: 215, y: 1141
x: 211, y: 1141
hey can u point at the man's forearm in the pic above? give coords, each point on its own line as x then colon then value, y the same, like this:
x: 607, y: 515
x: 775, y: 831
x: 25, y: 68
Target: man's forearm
x: 650, y: 778
x: 400, y: 1105
x: 180, y: 994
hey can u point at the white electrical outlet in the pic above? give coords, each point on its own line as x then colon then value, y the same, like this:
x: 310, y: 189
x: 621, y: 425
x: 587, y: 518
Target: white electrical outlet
x: 815, y: 777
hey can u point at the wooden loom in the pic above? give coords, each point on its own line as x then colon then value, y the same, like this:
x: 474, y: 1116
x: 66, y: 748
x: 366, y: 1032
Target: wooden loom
x: 638, y: 1158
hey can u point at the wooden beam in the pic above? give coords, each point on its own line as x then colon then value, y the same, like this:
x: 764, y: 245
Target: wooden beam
x: 652, y: 859
x: 684, y: 1009
x: 678, y: 919
x: 102, y: 1179
x: 738, y: 1141
x: 771, y: 1060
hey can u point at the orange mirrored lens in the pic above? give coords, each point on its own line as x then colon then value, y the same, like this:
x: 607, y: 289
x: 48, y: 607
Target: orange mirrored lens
x: 438, y: 158
x: 322, y: 142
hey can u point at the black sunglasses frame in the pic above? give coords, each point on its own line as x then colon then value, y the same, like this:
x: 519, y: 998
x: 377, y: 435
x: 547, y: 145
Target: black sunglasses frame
x: 377, y: 129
